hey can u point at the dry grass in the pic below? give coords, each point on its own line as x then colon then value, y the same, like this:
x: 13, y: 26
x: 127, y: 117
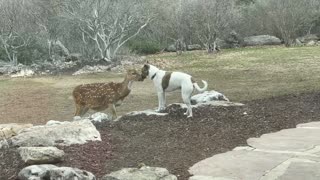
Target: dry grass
x: 241, y: 74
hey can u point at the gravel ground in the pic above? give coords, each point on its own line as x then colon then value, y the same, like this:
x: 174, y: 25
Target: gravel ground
x: 175, y: 142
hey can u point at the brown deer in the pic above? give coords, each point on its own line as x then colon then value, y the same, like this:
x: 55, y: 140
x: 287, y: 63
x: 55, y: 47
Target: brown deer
x: 100, y: 96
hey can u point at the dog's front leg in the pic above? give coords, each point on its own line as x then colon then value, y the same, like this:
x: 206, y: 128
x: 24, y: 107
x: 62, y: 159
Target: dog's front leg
x: 161, y: 100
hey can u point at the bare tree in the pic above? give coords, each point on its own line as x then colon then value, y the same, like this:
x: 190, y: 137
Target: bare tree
x: 12, y: 27
x: 212, y: 18
x: 46, y: 14
x: 289, y: 18
x: 109, y: 24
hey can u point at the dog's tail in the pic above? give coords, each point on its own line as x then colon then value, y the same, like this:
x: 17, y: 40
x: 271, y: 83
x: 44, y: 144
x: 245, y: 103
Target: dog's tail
x: 201, y: 90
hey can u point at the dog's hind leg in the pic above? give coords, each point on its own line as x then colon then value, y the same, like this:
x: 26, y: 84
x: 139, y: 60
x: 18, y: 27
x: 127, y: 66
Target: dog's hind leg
x: 187, y: 101
x: 186, y: 95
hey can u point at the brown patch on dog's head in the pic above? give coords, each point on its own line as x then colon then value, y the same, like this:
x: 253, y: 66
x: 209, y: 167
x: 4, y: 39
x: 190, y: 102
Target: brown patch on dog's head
x: 145, y: 71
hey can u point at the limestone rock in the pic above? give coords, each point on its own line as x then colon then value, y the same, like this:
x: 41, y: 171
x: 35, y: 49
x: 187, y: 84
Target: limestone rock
x: 65, y: 133
x: 261, y: 40
x: 47, y: 171
x: 35, y: 172
x: 308, y: 38
x: 99, y: 117
x: 70, y: 173
x: 4, y: 144
x: 40, y: 155
x: 24, y: 73
x: 143, y: 173
x: 53, y: 122
x: 208, y: 96
x: 311, y: 43
x: 147, y: 112
x: 193, y: 47
x: 9, y: 130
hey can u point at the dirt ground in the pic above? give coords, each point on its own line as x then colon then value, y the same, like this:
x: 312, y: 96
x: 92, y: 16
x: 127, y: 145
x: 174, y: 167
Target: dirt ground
x: 40, y: 99
x: 175, y: 142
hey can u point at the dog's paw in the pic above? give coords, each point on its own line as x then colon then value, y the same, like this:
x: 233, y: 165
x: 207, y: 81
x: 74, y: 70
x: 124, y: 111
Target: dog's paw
x: 159, y: 110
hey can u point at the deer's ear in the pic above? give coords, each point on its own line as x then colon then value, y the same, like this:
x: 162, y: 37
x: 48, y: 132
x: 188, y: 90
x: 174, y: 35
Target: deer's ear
x: 146, y: 66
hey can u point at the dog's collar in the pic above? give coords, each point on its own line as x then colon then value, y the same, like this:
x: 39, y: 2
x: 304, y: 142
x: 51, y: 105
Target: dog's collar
x: 153, y: 76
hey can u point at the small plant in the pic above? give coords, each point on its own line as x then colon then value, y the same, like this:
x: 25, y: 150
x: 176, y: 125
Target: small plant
x: 144, y: 47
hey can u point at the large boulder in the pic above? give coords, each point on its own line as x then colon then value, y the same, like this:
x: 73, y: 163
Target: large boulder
x: 208, y: 96
x: 41, y: 155
x: 47, y: 171
x: 308, y: 38
x: 10, y: 130
x: 311, y: 43
x: 70, y: 173
x: 261, y: 40
x: 193, y: 47
x: 64, y: 133
x: 35, y: 172
x: 171, y: 48
x: 143, y: 173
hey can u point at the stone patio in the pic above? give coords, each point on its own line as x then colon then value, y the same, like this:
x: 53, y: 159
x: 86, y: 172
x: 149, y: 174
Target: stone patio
x: 290, y: 154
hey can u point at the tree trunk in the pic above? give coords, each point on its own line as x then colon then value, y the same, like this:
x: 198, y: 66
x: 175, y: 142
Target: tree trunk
x: 65, y: 50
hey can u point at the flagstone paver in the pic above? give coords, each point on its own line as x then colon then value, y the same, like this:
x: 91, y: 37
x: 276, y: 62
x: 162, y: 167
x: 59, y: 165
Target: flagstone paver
x: 288, y: 154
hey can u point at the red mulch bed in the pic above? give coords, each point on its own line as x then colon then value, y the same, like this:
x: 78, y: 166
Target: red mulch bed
x: 175, y: 142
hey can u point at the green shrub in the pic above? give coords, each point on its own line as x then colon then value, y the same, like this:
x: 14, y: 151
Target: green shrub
x: 144, y: 47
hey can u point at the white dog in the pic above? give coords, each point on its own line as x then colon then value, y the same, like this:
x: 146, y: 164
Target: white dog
x: 170, y: 81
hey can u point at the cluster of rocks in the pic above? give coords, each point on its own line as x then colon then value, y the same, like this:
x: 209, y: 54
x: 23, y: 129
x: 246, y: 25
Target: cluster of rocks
x: 71, y: 64
x: 37, y: 146
x: 308, y: 40
x: 117, y: 66
x: 190, y: 47
x: 42, y: 68
x: 233, y: 40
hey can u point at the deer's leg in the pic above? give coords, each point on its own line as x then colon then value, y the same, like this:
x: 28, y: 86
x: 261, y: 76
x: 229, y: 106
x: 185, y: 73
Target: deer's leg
x: 78, y: 110
x: 114, y: 111
x: 83, y: 110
